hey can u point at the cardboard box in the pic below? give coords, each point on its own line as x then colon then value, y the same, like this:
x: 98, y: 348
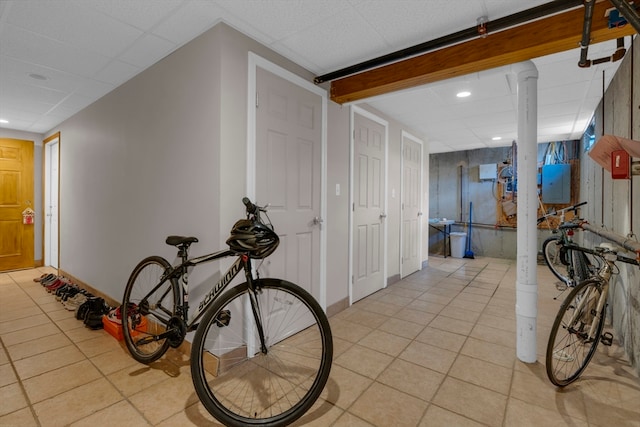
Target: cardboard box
x: 115, y: 329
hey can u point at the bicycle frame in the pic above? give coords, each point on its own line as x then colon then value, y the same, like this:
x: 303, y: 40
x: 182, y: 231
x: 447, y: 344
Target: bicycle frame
x: 180, y: 272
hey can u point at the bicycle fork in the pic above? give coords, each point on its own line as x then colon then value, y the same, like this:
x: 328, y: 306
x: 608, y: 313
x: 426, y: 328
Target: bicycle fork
x: 253, y: 301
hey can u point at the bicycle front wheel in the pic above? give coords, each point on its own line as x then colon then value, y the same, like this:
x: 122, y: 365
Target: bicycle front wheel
x: 239, y: 381
x: 147, y: 307
x: 571, y: 345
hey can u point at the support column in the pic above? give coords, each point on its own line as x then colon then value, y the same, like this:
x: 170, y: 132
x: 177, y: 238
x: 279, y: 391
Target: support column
x: 527, y: 201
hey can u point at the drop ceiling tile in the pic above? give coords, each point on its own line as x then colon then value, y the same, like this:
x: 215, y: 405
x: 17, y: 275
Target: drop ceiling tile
x: 33, y: 48
x: 420, y: 21
x: 100, y: 33
x: 148, y: 50
x: 189, y: 21
x: 332, y: 34
x: 141, y: 14
x: 19, y: 71
x: 117, y: 72
x: 280, y: 19
x: 32, y: 93
x: 94, y: 89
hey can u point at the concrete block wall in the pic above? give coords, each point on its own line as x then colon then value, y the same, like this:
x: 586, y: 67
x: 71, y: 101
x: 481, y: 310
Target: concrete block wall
x: 454, y: 182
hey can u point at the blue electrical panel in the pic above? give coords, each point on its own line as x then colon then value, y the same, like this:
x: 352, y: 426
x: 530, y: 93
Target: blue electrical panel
x: 556, y: 184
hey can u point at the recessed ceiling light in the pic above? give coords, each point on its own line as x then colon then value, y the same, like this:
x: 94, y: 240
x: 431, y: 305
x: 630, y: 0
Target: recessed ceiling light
x: 37, y: 76
x: 463, y: 94
x: 496, y: 138
x: 4, y: 121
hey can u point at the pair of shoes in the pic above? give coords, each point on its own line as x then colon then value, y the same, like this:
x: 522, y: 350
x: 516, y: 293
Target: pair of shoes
x: 49, y: 279
x: 45, y: 276
x: 91, y: 312
x: 62, y: 281
x: 75, y: 301
x: 115, y: 315
x: 64, y: 292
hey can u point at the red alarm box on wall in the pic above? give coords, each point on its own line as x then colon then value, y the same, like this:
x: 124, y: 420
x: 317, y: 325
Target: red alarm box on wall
x: 620, y: 164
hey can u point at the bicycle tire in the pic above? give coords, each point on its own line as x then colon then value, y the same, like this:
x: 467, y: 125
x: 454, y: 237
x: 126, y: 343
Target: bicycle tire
x: 580, y: 266
x: 569, y: 349
x: 551, y: 253
x: 238, y: 383
x: 150, y: 309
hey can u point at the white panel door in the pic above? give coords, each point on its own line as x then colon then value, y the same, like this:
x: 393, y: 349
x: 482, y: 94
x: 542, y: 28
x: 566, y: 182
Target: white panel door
x: 51, y: 202
x: 369, y: 177
x: 288, y: 176
x: 411, y: 205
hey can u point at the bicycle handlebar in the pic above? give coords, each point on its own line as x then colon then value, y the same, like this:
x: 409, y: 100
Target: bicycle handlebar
x: 251, y: 208
x: 573, y: 208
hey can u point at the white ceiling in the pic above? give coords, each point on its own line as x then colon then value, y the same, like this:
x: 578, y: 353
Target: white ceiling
x: 59, y: 56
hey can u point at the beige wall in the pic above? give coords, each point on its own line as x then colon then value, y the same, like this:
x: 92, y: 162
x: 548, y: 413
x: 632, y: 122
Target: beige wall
x: 165, y: 153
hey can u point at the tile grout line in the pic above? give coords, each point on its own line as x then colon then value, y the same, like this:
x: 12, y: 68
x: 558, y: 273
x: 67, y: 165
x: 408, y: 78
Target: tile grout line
x: 86, y: 357
x: 15, y: 371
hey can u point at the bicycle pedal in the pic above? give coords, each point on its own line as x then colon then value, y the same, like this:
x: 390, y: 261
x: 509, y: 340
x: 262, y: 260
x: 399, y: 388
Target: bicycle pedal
x: 607, y: 339
x: 223, y: 318
x: 561, y: 286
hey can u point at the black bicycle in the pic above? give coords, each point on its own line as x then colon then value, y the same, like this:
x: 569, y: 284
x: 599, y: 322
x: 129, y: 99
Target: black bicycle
x: 568, y: 265
x: 262, y: 350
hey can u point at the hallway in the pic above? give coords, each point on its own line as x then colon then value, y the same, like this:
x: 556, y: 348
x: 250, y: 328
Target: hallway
x: 435, y: 349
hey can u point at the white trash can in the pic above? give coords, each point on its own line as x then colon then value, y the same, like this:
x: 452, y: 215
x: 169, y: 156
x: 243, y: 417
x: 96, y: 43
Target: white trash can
x: 458, y: 243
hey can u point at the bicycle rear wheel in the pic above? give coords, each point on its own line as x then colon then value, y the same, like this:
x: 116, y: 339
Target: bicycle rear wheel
x: 570, y: 348
x: 147, y: 308
x: 241, y: 384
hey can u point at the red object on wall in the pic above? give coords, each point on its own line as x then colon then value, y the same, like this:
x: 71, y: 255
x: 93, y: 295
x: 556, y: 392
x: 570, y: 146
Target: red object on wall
x: 620, y: 165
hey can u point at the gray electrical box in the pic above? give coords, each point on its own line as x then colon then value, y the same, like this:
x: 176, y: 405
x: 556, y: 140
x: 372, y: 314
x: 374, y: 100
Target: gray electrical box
x: 556, y: 184
x: 488, y: 172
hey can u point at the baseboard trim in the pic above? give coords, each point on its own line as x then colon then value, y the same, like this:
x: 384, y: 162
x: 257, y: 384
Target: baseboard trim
x: 337, y: 307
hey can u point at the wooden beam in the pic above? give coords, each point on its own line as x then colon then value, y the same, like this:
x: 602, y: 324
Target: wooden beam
x: 546, y: 36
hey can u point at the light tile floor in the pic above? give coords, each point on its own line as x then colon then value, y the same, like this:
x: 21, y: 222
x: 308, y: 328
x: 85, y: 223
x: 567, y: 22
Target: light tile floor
x: 435, y: 349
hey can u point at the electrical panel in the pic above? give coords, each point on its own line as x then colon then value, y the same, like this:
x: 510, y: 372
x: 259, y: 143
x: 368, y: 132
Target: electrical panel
x: 556, y: 184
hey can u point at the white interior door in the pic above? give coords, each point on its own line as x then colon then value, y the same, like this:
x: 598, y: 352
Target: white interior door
x: 411, y: 205
x: 368, y: 258
x: 288, y: 176
x: 52, y: 152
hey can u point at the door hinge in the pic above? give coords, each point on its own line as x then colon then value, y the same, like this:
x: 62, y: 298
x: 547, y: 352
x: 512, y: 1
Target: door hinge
x: 257, y: 100
x: 353, y: 280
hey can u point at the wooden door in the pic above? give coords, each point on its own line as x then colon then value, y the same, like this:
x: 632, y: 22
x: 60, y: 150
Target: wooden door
x: 16, y: 194
x: 369, y: 216
x: 411, y: 232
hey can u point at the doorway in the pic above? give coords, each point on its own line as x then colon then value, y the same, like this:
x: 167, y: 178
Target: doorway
x: 51, y: 200
x: 368, y: 237
x: 289, y: 143
x: 16, y: 199
x: 411, y: 205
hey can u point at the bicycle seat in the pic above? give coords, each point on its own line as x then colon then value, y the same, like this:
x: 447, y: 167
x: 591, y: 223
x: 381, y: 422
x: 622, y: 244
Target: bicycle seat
x: 180, y: 240
x: 569, y: 225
